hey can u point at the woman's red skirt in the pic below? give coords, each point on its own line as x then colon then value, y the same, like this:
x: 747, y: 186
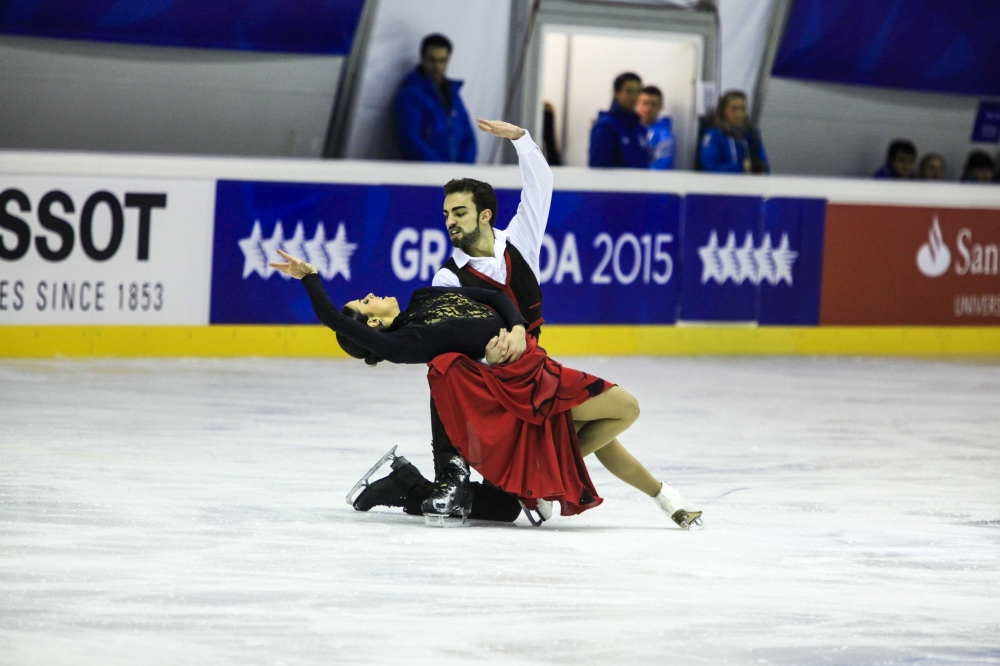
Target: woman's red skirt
x: 513, y: 424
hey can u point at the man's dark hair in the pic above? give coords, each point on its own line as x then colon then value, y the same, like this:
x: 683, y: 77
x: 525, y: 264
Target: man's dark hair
x: 652, y: 90
x: 622, y: 79
x: 900, y: 146
x: 433, y: 41
x: 482, y: 195
x: 352, y: 348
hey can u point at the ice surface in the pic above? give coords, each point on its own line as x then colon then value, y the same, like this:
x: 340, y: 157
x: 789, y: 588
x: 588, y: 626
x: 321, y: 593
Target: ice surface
x: 180, y: 512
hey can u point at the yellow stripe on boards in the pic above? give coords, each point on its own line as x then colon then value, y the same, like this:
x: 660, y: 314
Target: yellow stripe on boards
x: 318, y: 341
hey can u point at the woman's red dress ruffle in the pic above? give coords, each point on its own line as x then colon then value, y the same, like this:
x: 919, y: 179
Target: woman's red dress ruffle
x: 513, y: 424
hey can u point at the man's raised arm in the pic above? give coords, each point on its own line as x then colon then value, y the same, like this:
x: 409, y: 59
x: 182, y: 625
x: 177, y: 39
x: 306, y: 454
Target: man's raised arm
x: 527, y: 229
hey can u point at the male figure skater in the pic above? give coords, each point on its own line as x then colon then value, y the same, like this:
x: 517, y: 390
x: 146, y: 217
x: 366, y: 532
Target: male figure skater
x: 505, y: 260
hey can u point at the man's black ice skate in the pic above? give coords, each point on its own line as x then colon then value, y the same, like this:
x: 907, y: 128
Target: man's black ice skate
x: 396, y: 490
x: 451, y: 502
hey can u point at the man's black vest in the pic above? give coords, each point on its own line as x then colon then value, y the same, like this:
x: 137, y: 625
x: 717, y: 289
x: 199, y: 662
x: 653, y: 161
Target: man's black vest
x: 522, y: 286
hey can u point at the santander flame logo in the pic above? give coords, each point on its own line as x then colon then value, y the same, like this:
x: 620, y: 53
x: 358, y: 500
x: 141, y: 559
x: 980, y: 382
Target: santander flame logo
x: 934, y: 257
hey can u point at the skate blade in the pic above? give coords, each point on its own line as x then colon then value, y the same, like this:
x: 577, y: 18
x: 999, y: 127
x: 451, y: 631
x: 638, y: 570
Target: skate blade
x: 688, y: 521
x: 363, y: 483
x: 441, y: 520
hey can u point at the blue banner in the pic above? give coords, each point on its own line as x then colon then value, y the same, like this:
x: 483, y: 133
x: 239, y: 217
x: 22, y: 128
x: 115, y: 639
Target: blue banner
x: 607, y: 257
x: 303, y: 26
x: 932, y: 45
x: 745, y: 259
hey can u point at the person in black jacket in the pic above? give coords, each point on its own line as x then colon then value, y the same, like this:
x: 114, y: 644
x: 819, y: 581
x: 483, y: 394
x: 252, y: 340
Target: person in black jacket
x: 473, y: 321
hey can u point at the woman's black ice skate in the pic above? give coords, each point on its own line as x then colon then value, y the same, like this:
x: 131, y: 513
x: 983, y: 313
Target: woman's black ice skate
x: 451, y: 502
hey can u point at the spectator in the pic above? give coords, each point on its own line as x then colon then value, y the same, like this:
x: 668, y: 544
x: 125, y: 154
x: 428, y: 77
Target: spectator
x: 660, y: 133
x: 931, y: 167
x: 550, y: 148
x: 432, y: 124
x: 978, y: 168
x: 899, y: 161
x: 733, y: 145
x: 618, y: 139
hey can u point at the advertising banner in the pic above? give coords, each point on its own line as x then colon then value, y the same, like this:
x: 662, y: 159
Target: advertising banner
x: 749, y: 260
x: 607, y: 257
x: 894, y: 265
x: 104, y: 251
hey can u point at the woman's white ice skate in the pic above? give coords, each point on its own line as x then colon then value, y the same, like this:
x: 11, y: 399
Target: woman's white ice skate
x: 681, y: 510
x: 538, y: 515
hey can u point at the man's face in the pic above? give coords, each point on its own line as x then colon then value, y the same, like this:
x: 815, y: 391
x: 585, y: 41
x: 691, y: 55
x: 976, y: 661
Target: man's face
x: 627, y: 96
x: 434, y: 62
x: 902, y: 164
x: 648, y: 108
x: 464, y: 225
x: 933, y: 169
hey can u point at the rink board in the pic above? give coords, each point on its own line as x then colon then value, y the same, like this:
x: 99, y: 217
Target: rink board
x: 162, y: 256
x: 318, y: 342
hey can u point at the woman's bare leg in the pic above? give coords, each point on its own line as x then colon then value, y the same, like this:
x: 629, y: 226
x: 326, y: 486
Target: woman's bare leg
x: 599, y: 422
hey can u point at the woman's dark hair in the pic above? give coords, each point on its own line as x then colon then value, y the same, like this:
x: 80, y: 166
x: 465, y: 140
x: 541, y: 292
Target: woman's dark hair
x: 719, y: 117
x: 900, y: 146
x: 482, y: 195
x: 352, y: 348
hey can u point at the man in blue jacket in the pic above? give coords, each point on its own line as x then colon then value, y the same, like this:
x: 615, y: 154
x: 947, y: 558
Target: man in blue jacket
x: 432, y: 124
x: 659, y: 131
x: 619, y: 138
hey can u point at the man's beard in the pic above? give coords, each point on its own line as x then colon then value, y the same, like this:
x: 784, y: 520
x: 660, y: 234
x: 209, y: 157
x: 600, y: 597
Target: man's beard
x: 463, y: 241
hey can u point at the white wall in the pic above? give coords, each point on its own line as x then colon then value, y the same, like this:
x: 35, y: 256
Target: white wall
x: 67, y: 95
x: 827, y: 129
x: 478, y: 30
x: 744, y: 41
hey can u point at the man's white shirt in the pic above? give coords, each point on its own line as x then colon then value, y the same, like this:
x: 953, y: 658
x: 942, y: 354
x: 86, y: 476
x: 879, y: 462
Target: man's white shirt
x: 526, y: 229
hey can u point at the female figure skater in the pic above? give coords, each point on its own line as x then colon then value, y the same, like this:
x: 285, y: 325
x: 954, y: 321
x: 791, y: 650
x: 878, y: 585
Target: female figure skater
x: 525, y: 425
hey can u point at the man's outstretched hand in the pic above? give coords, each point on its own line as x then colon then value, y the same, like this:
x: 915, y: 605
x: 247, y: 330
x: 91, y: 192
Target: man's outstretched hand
x: 500, y: 128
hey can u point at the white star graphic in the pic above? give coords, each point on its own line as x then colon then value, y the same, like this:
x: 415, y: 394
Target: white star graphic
x: 765, y: 260
x: 709, y: 254
x: 339, y: 251
x: 315, y: 253
x: 744, y: 257
x: 295, y: 246
x: 784, y: 259
x: 254, y: 260
x: 270, y: 249
x: 727, y: 258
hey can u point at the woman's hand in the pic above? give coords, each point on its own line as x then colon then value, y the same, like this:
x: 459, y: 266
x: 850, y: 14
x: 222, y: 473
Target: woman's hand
x: 297, y: 268
x: 494, y: 354
x: 513, y: 345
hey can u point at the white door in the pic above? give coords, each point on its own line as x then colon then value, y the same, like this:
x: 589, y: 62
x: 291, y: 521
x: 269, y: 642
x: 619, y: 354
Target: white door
x: 579, y: 66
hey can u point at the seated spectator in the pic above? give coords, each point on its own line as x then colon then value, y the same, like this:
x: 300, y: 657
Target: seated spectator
x: 931, y: 167
x: 732, y: 144
x: 899, y: 161
x: 618, y: 139
x: 659, y: 132
x: 432, y: 124
x: 978, y: 168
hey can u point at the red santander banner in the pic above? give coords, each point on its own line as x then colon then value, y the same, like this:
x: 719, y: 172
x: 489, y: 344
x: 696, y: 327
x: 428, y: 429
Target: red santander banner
x: 909, y: 266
